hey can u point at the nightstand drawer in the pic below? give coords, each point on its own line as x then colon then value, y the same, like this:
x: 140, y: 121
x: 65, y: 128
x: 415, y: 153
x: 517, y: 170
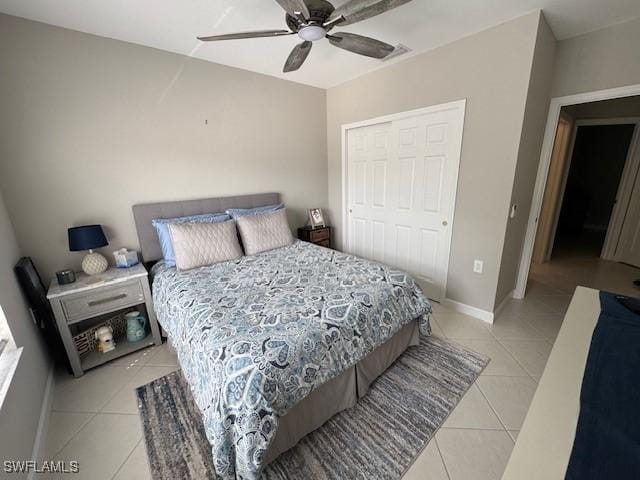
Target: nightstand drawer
x: 89, y: 304
x: 320, y: 235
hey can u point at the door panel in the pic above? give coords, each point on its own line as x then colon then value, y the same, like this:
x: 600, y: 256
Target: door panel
x: 379, y: 186
x: 360, y: 183
x: 428, y: 253
x: 402, y: 180
x: 403, y: 246
x: 360, y: 236
x: 377, y: 241
x: 627, y: 248
x: 405, y: 185
x: 433, y: 183
x: 629, y: 243
x: 367, y: 150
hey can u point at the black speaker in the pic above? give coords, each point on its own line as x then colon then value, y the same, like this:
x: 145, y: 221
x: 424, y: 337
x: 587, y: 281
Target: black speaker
x: 40, y: 309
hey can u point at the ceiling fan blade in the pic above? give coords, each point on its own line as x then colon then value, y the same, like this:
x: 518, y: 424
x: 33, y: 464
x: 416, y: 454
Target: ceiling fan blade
x: 361, y: 45
x: 357, y: 10
x: 297, y: 56
x: 295, y: 8
x: 254, y: 34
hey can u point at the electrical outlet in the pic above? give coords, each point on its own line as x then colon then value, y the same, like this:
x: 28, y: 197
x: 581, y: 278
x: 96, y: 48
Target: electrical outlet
x: 478, y: 266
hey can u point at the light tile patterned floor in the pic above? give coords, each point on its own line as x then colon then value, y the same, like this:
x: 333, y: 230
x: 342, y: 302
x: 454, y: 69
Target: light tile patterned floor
x: 95, y: 421
x: 576, y: 261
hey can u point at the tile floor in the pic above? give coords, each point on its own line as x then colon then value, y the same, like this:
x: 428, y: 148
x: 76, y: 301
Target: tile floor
x: 95, y: 421
x: 576, y: 261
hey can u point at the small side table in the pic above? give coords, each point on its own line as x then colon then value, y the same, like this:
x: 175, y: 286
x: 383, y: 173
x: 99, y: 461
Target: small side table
x: 81, y: 305
x: 318, y: 235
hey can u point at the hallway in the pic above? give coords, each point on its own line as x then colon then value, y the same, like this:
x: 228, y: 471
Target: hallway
x: 576, y: 262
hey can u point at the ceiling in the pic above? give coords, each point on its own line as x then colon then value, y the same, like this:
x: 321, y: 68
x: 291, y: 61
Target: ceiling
x: 422, y: 25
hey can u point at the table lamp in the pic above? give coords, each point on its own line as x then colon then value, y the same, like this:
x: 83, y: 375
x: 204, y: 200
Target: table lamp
x: 89, y: 237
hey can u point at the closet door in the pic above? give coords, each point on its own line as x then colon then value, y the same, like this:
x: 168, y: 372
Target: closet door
x: 402, y: 178
x: 368, y: 182
x: 629, y: 244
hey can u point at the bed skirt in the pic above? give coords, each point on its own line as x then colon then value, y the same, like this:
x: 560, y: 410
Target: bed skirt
x: 339, y: 393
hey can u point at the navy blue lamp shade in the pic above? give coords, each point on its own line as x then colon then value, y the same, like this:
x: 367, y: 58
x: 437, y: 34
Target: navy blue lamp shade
x: 86, y: 237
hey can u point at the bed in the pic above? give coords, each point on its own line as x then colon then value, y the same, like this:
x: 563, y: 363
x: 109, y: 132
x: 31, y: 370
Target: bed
x: 275, y: 344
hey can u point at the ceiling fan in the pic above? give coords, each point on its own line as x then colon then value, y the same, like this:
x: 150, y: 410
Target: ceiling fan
x: 312, y: 20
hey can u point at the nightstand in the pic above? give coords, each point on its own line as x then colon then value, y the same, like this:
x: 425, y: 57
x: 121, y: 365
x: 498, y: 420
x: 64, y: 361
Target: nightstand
x: 92, y: 300
x: 318, y: 235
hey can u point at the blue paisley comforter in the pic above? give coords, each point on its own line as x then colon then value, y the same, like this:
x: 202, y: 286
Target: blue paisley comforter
x: 256, y: 335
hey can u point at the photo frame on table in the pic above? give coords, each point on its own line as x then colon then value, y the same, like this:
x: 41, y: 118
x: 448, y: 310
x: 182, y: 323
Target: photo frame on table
x: 316, y: 218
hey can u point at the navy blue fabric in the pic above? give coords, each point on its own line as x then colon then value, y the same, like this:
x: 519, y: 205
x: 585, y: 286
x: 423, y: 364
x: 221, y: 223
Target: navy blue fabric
x: 607, y: 442
x: 86, y: 237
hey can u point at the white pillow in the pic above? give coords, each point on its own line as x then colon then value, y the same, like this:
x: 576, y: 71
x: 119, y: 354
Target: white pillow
x: 264, y: 232
x: 201, y: 244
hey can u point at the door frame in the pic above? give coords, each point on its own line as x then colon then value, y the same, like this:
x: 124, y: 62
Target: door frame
x: 567, y: 149
x: 457, y: 104
x: 543, y: 168
x: 563, y: 186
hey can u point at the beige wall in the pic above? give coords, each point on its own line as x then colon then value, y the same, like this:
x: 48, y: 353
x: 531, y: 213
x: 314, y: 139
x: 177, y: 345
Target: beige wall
x: 491, y: 70
x: 535, y: 119
x: 20, y: 412
x: 598, y: 60
x: 90, y: 126
x: 603, y: 59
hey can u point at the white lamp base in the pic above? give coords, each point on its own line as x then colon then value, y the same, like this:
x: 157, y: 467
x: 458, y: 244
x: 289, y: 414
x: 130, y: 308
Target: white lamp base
x: 94, y: 263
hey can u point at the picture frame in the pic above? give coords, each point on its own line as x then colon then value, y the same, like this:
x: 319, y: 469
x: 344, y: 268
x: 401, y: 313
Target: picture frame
x: 316, y: 218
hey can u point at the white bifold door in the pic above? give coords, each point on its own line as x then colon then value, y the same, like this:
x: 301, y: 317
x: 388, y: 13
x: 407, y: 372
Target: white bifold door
x: 628, y: 245
x: 628, y: 250
x: 400, y: 191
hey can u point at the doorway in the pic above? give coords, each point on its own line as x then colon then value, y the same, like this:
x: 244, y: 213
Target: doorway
x: 585, y: 238
x: 587, y: 227
x: 401, y: 174
x: 597, y: 161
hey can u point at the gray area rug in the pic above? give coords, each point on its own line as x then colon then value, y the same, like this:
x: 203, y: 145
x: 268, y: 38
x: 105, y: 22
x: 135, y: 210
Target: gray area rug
x: 379, y: 437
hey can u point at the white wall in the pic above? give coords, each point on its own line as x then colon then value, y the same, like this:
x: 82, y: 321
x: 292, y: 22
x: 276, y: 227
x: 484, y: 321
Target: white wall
x: 491, y: 70
x: 90, y: 126
x: 20, y: 412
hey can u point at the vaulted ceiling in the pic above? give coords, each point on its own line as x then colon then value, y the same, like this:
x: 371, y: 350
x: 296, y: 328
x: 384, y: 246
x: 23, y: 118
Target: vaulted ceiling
x: 421, y: 25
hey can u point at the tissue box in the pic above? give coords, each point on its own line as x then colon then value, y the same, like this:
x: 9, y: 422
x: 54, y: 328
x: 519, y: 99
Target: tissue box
x: 125, y: 258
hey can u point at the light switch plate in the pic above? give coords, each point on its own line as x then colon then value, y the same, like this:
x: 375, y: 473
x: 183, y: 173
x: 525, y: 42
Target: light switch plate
x: 478, y: 266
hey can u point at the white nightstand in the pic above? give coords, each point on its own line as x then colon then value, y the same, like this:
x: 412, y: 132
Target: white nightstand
x: 81, y: 304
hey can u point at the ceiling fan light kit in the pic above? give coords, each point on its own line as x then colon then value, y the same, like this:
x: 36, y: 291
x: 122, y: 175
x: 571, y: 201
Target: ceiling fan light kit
x: 312, y: 33
x: 312, y: 20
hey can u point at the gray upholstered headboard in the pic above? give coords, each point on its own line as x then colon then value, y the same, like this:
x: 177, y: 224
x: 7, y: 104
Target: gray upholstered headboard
x: 144, y: 213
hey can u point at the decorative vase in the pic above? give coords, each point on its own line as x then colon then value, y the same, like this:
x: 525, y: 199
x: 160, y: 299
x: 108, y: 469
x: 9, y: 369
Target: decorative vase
x: 136, y: 324
x: 94, y: 263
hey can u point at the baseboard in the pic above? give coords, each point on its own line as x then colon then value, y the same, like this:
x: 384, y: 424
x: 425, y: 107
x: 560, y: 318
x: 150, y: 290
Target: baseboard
x: 39, y: 444
x: 498, y: 310
x: 478, y: 313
